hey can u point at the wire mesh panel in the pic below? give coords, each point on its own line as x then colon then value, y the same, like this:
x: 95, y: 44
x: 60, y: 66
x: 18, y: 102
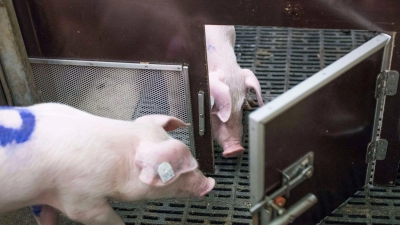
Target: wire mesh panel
x: 123, y: 91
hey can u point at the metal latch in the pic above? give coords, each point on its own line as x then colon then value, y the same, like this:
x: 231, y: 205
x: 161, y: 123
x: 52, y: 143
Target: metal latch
x: 200, y: 96
x: 377, y: 150
x: 386, y: 83
x: 293, y: 175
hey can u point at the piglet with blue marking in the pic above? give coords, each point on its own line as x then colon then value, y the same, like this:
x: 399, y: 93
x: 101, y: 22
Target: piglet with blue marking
x: 57, y: 158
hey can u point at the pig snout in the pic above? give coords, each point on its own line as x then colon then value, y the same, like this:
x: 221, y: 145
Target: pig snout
x: 208, y: 187
x: 229, y: 135
x: 191, y: 184
x: 198, y: 185
x: 232, y: 149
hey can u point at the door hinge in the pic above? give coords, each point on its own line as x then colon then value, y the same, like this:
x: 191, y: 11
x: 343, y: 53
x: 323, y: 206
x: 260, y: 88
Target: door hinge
x: 386, y: 83
x: 293, y: 175
x: 376, y: 150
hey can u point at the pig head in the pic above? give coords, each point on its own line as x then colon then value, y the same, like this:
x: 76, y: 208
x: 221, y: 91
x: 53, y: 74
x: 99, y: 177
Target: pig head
x: 55, y: 157
x: 229, y: 89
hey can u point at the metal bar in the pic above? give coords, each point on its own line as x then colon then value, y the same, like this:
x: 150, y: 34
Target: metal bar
x: 288, y: 59
x: 380, y: 105
x: 387, y: 54
x: 257, y: 160
x: 2, y: 97
x: 5, y: 89
x: 385, y: 171
x: 189, y: 109
x: 321, y: 49
x: 14, y: 58
x: 108, y: 64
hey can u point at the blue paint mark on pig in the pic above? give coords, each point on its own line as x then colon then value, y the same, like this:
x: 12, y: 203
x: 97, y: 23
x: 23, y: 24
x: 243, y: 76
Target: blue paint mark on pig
x: 20, y: 135
x: 210, y: 48
x: 36, y: 210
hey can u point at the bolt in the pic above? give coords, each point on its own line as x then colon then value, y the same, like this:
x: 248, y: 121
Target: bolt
x: 390, y: 92
x: 280, y: 201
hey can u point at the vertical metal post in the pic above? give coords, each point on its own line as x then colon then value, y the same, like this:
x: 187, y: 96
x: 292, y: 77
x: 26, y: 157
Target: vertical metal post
x: 3, y: 100
x: 380, y: 105
x: 14, y: 59
x: 5, y: 93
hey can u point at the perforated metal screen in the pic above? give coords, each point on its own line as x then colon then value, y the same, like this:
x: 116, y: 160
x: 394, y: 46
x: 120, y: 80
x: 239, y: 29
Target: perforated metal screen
x: 123, y: 91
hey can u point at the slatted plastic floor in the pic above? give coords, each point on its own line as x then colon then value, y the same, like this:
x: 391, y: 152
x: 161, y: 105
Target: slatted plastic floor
x: 280, y: 58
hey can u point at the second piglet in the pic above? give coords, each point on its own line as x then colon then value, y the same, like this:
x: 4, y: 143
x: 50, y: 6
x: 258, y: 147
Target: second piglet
x: 229, y: 88
x: 53, y: 156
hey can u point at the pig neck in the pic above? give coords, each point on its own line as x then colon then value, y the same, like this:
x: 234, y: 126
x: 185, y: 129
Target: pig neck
x: 129, y: 187
x: 98, y: 164
x: 121, y: 179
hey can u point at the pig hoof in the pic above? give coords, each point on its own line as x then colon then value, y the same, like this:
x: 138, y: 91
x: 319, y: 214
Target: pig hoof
x: 233, y: 153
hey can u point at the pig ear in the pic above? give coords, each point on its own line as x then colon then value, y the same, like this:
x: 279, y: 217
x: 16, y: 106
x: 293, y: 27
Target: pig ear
x: 253, y: 84
x: 222, y: 99
x: 169, y: 123
x: 162, y: 163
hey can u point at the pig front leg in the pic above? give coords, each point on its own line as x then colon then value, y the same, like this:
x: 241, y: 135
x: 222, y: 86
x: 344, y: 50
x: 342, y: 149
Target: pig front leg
x: 45, y: 214
x: 93, y: 214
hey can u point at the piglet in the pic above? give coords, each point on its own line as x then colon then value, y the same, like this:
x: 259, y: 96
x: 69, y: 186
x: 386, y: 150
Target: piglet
x: 229, y: 88
x: 54, y: 157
